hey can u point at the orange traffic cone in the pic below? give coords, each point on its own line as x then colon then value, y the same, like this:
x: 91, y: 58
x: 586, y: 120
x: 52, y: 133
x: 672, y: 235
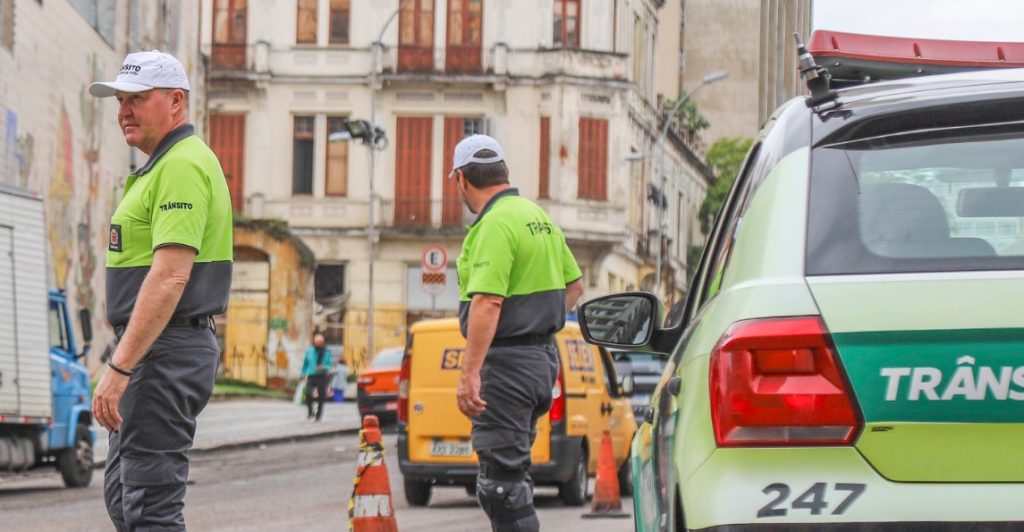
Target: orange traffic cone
x: 370, y: 509
x: 606, y: 502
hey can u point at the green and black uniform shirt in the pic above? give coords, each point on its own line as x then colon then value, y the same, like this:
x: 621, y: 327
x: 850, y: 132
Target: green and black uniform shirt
x: 515, y: 251
x: 180, y: 197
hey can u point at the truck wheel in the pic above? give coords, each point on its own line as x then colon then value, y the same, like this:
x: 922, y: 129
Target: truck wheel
x: 573, y: 492
x: 75, y: 463
x: 626, y: 477
x: 417, y: 492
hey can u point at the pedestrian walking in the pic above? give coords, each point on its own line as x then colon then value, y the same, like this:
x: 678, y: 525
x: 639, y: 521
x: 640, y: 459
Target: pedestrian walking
x: 168, y: 271
x: 316, y: 368
x: 340, y: 378
x: 517, y: 281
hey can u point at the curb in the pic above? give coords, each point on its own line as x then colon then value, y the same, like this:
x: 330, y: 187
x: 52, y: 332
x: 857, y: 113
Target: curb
x: 230, y: 446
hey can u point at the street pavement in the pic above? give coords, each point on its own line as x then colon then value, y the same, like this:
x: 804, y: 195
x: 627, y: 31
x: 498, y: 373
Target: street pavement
x: 229, y: 423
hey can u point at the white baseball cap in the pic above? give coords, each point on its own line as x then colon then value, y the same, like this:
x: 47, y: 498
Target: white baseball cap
x: 467, y: 148
x: 143, y: 71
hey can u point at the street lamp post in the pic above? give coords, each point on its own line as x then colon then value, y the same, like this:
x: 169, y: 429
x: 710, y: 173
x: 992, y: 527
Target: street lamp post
x: 709, y: 78
x: 371, y: 233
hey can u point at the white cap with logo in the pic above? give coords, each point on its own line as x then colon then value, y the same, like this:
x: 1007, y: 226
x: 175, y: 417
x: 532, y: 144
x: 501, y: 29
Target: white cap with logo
x: 467, y: 148
x: 143, y: 71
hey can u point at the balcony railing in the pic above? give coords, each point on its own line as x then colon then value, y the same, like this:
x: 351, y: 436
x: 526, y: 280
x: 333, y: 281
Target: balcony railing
x: 415, y: 58
x: 423, y: 213
x: 463, y: 59
x: 228, y: 57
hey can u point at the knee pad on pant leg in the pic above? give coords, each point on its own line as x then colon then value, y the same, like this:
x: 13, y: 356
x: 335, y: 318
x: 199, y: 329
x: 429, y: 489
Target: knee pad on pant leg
x: 505, y: 501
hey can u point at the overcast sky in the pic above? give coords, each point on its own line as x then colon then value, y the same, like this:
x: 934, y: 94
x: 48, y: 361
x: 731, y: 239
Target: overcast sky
x: 972, y: 20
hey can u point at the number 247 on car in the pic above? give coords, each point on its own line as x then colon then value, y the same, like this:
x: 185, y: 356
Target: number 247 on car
x: 816, y: 499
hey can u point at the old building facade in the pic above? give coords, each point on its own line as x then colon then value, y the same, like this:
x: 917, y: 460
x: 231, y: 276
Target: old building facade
x: 567, y: 87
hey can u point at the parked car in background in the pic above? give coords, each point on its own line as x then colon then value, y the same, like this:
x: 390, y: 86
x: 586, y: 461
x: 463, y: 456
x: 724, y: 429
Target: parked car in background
x: 851, y: 353
x: 646, y: 370
x: 434, y: 446
x: 377, y: 386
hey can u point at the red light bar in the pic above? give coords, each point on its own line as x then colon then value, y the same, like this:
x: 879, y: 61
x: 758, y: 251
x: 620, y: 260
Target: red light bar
x: 971, y: 54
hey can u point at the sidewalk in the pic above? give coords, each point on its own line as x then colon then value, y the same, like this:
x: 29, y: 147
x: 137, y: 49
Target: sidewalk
x: 234, y: 423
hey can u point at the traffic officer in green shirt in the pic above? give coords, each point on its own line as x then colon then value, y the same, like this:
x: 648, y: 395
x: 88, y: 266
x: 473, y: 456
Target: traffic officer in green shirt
x: 517, y: 281
x: 168, y: 272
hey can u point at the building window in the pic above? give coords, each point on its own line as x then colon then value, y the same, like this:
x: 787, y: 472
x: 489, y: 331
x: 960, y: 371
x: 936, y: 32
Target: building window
x: 100, y: 14
x: 465, y: 22
x: 7, y: 24
x: 302, y: 156
x: 339, y: 22
x: 336, y: 177
x: 593, y: 159
x: 229, y: 26
x: 544, y: 185
x: 329, y: 292
x: 227, y: 140
x: 567, y: 23
x: 413, y: 151
x: 416, y: 36
x: 305, y: 22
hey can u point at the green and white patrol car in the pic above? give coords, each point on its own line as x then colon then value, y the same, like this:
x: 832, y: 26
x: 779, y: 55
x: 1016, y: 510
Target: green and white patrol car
x: 851, y: 354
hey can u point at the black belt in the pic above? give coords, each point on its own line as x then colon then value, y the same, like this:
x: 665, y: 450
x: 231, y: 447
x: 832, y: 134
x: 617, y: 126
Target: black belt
x: 501, y: 474
x: 524, y: 339
x: 201, y: 322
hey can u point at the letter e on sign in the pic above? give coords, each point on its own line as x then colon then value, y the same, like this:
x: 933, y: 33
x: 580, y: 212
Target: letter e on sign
x: 434, y: 259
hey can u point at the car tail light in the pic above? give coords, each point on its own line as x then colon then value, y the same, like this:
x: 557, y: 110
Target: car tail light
x: 780, y: 382
x: 557, y: 412
x: 403, y: 387
x: 365, y: 381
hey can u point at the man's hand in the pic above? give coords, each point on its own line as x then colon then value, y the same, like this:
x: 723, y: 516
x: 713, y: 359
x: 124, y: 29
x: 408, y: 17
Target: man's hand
x: 468, y: 394
x: 107, y: 397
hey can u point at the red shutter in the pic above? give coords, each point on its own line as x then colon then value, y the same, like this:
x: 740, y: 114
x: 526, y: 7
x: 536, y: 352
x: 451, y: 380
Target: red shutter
x: 544, y: 186
x: 451, y: 206
x: 593, y: 159
x: 465, y: 26
x: 416, y: 37
x: 412, y: 171
x: 227, y: 140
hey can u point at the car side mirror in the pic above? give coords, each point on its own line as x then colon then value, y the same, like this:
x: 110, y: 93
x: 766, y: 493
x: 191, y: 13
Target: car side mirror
x: 85, y: 322
x: 620, y: 320
x: 627, y: 385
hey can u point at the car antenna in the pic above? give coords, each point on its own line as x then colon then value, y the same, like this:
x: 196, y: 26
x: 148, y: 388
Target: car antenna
x: 817, y: 77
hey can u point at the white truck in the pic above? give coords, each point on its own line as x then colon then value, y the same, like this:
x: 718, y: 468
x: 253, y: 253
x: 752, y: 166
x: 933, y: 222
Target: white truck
x: 45, y: 418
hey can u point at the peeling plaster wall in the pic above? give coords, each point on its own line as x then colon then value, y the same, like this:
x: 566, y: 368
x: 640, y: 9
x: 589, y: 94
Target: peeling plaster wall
x: 291, y: 301
x: 60, y: 142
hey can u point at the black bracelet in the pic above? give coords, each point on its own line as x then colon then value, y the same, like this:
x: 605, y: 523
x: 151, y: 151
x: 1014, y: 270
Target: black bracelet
x: 119, y: 370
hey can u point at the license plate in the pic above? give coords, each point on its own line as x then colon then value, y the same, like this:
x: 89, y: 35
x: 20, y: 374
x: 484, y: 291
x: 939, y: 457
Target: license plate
x: 391, y: 405
x: 451, y: 448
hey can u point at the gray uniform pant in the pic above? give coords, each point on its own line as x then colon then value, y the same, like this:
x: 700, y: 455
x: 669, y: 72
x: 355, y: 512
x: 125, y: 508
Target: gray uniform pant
x: 147, y: 464
x: 516, y: 383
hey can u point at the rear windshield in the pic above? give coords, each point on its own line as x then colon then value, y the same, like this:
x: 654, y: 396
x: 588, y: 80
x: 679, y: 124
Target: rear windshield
x: 389, y: 358
x: 920, y: 202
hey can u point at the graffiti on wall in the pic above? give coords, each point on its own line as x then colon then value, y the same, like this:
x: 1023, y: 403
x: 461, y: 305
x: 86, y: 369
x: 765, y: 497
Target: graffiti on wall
x: 8, y: 161
x: 91, y: 111
x: 58, y: 199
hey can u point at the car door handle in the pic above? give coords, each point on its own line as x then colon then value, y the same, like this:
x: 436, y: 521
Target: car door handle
x: 606, y: 409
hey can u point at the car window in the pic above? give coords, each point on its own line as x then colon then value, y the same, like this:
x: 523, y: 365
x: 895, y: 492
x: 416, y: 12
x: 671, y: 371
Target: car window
x: 58, y: 334
x: 918, y: 203
x: 389, y: 358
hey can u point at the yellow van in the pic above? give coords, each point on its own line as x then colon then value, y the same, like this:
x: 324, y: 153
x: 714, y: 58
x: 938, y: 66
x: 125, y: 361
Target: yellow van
x: 434, y: 447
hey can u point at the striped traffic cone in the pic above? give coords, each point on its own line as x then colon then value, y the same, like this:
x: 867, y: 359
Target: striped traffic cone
x: 607, y: 502
x: 370, y: 509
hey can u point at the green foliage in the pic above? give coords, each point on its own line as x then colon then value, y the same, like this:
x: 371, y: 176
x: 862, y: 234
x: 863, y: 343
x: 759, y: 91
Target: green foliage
x: 232, y: 387
x: 693, y: 254
x: 690, y: 119
x: 725, y: 158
